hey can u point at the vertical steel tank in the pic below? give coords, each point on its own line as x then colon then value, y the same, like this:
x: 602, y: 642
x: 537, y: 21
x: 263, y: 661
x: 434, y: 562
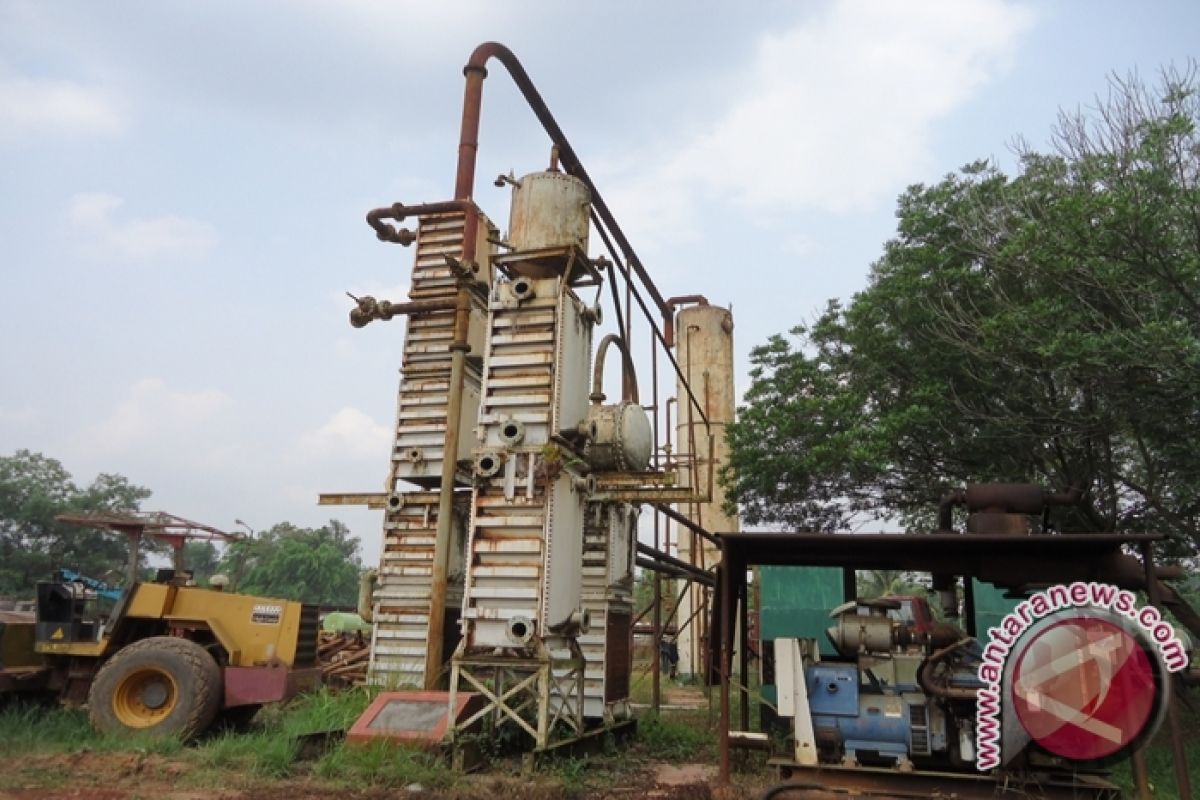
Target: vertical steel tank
x: 549, y: 221
x: 704, y: 342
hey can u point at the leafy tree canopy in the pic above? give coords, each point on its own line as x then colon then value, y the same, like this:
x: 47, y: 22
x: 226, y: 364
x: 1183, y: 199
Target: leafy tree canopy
x: 316, y: 565
x: 1043, y: 328
x: 33, y: 490
x: 202, y: 558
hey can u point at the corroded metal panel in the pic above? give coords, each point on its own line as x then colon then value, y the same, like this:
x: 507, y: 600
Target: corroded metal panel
x: 425, y: 366
x: 607, y: 594
x: 401, y: 599
x: 526, y: 531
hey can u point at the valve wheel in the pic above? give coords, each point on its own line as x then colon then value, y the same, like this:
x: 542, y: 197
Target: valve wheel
x: 163, y: 685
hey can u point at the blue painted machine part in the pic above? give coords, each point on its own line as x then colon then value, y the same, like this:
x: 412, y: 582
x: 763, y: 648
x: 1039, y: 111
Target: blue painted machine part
x: 872, y: 727
x: 832, y: 689
x: 99, y: 587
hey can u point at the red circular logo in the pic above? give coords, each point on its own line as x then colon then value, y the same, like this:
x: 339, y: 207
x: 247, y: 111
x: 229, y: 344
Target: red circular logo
x: 1084, y: 687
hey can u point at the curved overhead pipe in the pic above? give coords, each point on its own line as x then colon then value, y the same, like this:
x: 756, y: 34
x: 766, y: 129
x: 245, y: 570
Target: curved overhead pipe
x: 629, y: 389
x: 669, y: 313
x: 468, y: 144
x: 399, y: 212
x: 468, y: 148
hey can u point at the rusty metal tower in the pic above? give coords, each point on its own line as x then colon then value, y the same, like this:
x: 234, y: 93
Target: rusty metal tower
x: 514, y: 488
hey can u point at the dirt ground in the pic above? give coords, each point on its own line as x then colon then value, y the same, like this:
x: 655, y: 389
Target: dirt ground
x: 130, y: 776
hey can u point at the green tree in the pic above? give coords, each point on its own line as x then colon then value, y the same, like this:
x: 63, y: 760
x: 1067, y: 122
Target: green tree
x: 315, y: 565
x: 873, y: 583
x: 203, y: 559
x: 33, y: 490
x: 1044, y: 328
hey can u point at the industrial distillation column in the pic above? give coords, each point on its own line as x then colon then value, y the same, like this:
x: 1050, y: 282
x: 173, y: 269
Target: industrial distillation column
x: 704, y: 341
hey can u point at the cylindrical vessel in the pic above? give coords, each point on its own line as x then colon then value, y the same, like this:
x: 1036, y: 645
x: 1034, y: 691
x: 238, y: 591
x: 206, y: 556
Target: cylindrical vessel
x: 704, y: 350
x: 549, y: 210
x: 621, y: 439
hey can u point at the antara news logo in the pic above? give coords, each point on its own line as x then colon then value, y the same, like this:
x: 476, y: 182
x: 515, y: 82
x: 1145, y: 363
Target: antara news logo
x: 1081, y: 668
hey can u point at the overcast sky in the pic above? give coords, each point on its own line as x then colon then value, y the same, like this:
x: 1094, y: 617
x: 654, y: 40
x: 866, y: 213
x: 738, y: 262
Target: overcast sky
x: 184, y: 185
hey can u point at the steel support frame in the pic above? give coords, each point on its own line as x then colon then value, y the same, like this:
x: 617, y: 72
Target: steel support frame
x: 511, y: 685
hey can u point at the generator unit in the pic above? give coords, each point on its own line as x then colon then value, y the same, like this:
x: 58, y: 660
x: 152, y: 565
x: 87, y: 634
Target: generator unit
x: 894, y: 696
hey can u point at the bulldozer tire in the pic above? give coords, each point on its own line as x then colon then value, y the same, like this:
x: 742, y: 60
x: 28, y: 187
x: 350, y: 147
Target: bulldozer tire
x: 163, y: 686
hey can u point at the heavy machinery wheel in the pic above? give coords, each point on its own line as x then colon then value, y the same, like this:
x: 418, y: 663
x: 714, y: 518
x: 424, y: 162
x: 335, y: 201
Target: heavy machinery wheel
x: 162, y: 685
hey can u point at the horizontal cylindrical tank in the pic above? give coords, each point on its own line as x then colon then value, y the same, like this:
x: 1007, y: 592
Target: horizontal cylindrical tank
x: 621, y: 439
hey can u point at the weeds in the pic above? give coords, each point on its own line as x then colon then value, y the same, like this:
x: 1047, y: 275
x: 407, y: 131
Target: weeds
x: 265, y: 753
x: 323, y: 710
x: 34, y: 728
x: 572, y: 776
x: 678, y: 739
x: 383, y: 763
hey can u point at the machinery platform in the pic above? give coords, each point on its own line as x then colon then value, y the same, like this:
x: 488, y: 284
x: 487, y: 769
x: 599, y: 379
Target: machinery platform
x: 817, y: 783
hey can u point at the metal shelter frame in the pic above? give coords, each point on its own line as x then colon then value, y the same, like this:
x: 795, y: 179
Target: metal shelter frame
x: 1006, y: 560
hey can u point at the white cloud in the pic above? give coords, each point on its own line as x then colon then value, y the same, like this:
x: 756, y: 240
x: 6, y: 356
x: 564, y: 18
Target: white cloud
x: 35, y: 107
x: 349, y: 433
x: 154, y: 417
x: 95, y: 216
x: 835, y: 114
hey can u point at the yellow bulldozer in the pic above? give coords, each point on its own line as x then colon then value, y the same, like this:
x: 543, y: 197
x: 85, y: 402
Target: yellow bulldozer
x: 167, y: 658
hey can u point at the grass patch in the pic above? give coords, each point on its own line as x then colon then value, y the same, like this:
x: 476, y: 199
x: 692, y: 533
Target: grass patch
x: 678, y: 738
x: 271, y: 749
x: 572, y: 775
x: 46, y: 729
x: 322, y: 710
x: 265, y: 753
x: 383, y: 763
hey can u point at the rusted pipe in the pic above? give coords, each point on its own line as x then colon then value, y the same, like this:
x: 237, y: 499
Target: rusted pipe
x: 946, y: 509
x: 658, y: 567
x: 369, y: 309
x: 399, y: 212
x: 629, y: 389
x: 468, y: 145
x: 944, y: 692
x: 454, y: 406
x: 1008, y: 498
x: 1071, y: 497
x: 724, y: 664
x: 669, y: 313
x: 695, y: 574
x: 695, y: 528
x: 366, y: 586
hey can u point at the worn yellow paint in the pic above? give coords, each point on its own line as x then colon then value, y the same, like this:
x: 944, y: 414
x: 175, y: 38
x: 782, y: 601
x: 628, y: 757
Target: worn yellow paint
x: 229, y: 617
x: 83, y: 649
